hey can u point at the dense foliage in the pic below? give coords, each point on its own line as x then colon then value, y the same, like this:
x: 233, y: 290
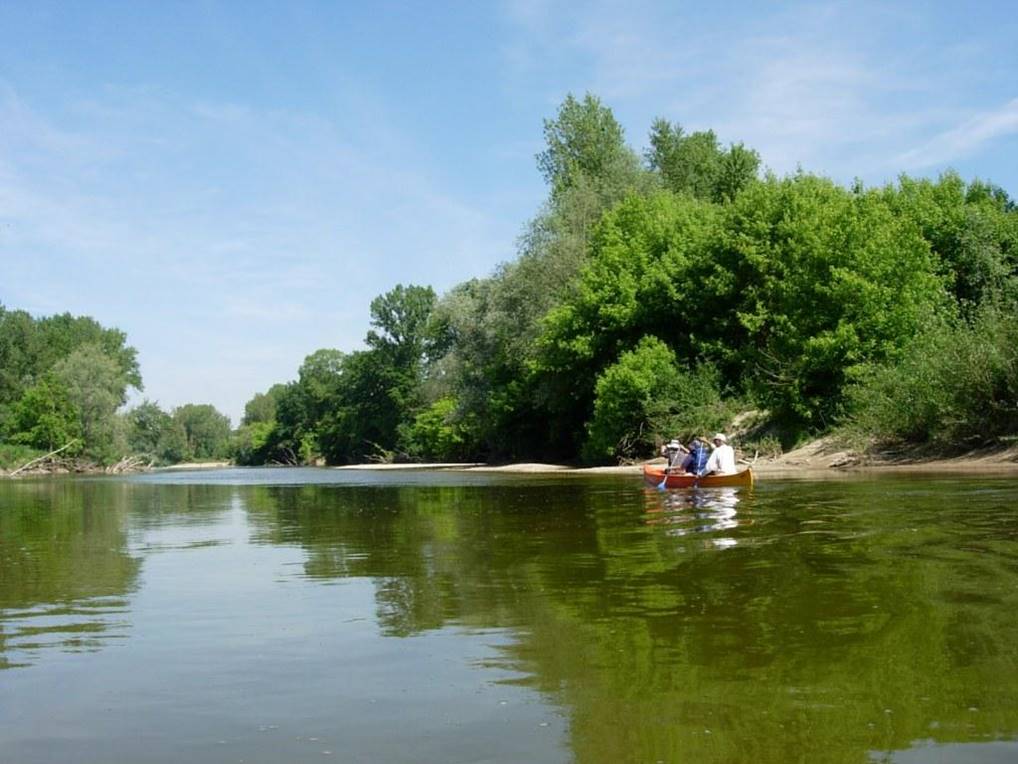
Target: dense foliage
x: 659, y: 297
x: 651, y: 296
x: 64, y: 381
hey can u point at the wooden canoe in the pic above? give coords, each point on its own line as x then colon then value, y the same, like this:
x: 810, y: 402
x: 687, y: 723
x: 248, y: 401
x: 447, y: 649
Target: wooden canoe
x: 653, y: 475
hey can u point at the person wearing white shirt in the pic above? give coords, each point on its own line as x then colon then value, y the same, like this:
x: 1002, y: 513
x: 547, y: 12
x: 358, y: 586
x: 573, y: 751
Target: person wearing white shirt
x: 722, y: 459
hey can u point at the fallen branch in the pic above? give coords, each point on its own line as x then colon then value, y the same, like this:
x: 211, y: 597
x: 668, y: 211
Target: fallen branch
x: 43, y: 458
x: 131, y: 464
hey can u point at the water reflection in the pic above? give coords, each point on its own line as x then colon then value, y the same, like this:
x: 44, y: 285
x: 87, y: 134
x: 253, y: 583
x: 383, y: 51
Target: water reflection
x: 65, y: 570
x: 696, y: 511
x: 838, y: 621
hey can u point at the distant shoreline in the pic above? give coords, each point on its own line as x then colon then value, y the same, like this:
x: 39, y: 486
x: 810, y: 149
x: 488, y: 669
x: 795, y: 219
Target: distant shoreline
x: 819, y: 460
x: 811, y: 461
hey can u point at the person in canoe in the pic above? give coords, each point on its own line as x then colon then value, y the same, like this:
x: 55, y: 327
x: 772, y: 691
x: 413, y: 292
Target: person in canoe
x: 722, y: 458
x: 682, y: 459
x: 697, y: 457
x: 674, y: 452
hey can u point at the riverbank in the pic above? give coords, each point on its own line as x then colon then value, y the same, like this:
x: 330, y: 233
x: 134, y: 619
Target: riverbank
x: 194, y: 466
x: 818, y: 459
x: 822, y: 458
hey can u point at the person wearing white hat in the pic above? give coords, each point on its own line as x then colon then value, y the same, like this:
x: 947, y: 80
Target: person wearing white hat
x: 722, y: 459
x: 673, y: 452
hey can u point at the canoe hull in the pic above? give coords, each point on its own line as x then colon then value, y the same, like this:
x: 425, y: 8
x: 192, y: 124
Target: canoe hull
x: 653, y: 475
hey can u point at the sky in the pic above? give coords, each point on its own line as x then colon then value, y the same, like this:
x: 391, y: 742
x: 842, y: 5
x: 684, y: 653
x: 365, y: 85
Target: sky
x: 231, y: 183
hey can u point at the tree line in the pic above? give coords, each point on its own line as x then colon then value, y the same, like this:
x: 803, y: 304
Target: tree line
x: 665, y: 293
x: 63, y: 383
x: 653, y: 295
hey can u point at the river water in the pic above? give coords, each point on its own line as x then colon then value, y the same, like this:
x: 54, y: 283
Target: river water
x: 299, y: 615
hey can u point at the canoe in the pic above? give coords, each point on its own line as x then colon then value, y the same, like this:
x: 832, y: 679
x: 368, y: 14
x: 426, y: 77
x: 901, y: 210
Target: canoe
x: 653, y: 476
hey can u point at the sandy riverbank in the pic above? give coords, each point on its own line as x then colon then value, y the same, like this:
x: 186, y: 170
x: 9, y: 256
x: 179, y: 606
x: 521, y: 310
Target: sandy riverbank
x: 818, y: 459
x: 194, y: 466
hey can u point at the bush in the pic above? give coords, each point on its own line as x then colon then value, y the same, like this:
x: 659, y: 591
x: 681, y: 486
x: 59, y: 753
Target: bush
x: 956, y: 386
x: 694, y: 406
x: 646, y: 397
x: 435, y: 433
x: 251, y: 443
x: 13, y: 455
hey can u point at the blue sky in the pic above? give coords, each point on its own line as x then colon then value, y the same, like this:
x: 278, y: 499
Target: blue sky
x: 232, y: 182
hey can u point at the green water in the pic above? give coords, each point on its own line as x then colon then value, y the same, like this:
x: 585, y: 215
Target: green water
x: 317, y: 615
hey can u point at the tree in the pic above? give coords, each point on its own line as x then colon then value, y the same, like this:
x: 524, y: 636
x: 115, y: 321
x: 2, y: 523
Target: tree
x: 19, y: 352
x: 625, y: 396
x: 45, y: 417
x: 206, y: 431
x: 262, y: 407
x: 33, y: 348
x: 62, y: 334
x: 696, y: 164
x: 639, y: 280
x: 584, y: 141
x: 153, y: 432
x: 96, y: 387
x: 809, y: 284
x: 972, y: 230
x: 437, y: 433
x: 495, y: 322
x: 401, y: 318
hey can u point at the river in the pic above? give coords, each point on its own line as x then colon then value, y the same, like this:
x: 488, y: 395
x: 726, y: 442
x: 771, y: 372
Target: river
x: 299, y: 615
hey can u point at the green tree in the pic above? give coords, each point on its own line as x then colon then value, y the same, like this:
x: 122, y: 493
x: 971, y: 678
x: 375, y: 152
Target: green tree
x: 954, y: 386
x: 696, y: 164
x: 625, y: 395
x: 19, y: 351
x: 438, y: 433
x: 62, y: 334
x: 584, y: 142
x: 400, y: 317
x: 640, y: 279
x: 45, y: 417
x: 96, y: 387
x: 374, y: 398
x: 32, y: 348
x: 381, y: 388
x: 206, y: 431
x: 262, y: 407
x: 154, y: 432
x: 495, y: 322
x: 972, y: 229
x: 253, y: 443
x: 809, y: 284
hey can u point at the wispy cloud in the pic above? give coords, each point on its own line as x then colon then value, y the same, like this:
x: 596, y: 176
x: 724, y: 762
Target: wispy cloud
x: 258, y: 228
x: 965, y: 139
x: 839, y: 88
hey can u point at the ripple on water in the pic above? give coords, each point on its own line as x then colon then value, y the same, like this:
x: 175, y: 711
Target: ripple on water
x: 75, y: 627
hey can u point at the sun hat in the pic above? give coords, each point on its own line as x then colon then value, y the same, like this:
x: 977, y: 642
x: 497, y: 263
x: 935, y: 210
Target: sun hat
x: 720, y: 436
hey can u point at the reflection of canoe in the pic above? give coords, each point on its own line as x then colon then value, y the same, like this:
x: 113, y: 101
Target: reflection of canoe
x: 653, y: 476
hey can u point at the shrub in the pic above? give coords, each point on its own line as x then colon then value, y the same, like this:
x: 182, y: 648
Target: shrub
x: 645, y: 397
x: 955, y: 387
x: 436, y: 433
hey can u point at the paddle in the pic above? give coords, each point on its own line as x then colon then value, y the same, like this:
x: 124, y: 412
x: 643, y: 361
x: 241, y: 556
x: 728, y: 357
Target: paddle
x: 664, y: 479
x: 668, y: 466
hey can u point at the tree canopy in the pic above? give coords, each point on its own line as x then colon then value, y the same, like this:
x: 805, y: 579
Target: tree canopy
x: 652, y: 293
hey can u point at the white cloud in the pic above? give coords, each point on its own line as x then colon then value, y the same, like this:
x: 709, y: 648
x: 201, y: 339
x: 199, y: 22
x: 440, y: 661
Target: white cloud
x: 965, y: 139
x: 838, y: 88
x: 230, y: 226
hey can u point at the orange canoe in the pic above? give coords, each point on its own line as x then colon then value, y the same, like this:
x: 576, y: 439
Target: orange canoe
x: 653, y: 476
